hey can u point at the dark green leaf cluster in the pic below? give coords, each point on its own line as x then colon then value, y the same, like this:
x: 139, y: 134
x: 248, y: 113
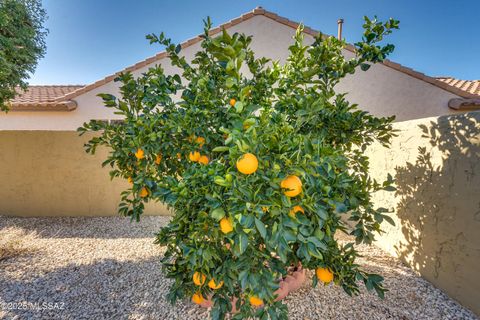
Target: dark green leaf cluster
x: 22, y: 44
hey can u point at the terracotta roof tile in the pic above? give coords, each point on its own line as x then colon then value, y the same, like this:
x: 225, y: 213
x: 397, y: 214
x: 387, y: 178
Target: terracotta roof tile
x: 468, y: 86
x: 44, y: 97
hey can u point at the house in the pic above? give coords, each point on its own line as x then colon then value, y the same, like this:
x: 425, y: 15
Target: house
x: 45, y: 171
x: 386, y: 89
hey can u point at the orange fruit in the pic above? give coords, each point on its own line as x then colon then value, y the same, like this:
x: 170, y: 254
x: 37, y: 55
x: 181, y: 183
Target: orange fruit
x: 293, y: 184
x: 295, y: 210
x: 194, y: 156
x: 200, y: 141
x: 179, y: 156
x: 265, y: 209
x: 247, y: 164
x: 232, y: 102
x: 203, y: 160
x: 214, y: 285
x: 143, y: 192
x: 197, y: 298
x: 130, y: 180
x: 226, y: 225
x: 324, y: 275
x: 199, y: 278
x: 139, y: 154
x: 255, y: 301
x: 158, y: 159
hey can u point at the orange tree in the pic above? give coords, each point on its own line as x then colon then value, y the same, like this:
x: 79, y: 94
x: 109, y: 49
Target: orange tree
x: 258, y: 162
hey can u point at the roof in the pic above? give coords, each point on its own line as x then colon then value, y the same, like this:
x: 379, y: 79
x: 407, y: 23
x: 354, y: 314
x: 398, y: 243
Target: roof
x: 259, y: 11
x: 45, y: 98
x: 471, y: 86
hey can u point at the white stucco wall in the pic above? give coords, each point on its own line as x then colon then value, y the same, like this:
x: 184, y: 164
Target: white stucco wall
x: 382, y: 90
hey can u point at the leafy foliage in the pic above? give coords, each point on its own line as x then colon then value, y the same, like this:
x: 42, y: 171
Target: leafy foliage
x: 290, y: 117
x: 22, y: 44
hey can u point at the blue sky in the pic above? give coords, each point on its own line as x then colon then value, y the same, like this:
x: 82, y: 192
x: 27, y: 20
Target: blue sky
x: 90, y: 39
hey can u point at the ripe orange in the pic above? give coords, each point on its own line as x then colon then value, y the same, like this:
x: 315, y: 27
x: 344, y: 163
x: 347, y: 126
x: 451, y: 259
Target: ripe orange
x: 179, y: 156
x: 199, y: 278
x: 200, y: 141
x: 158, y: 159
x: 139, y: 154
x: 143, y: 192
x: 226, y: 225
x: 324, y: 275
x: 293, y: 184
x: 294, y: 210
x: 232, y: 102
x: 130, y: 180
x: 265, y: 209
x: 247, y: 164
x: 197, y: 298
x: 203, y: 160
x: 214, y: 285
x: 255, y: 301
x: 194, y: 156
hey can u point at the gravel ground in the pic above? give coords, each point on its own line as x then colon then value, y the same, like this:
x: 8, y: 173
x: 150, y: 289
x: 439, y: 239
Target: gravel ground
x: 108, y: 268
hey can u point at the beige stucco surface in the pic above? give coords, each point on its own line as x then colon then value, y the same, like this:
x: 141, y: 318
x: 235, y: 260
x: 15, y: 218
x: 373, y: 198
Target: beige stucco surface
x: 382, y: 90
x: 49, y: 174
x: 436, y: 165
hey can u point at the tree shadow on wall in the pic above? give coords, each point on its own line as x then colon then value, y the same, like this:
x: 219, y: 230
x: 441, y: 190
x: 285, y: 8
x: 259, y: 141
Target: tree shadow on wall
x: 439, y: 207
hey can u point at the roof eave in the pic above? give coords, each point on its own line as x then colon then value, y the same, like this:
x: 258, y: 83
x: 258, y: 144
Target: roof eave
x: 67, y: 105
x: 464, y: 104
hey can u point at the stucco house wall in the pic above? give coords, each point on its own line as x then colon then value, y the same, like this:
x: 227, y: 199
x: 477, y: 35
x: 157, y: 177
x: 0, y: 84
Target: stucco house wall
x: 436, y: 208
x: 48, y: 173
x: 382, y: 90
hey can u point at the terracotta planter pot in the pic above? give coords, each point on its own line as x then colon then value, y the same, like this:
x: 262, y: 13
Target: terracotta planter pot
x: 289, y: 284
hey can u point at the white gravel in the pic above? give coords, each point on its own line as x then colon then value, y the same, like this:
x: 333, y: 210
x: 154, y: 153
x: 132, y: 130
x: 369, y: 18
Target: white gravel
x: 109, y: 268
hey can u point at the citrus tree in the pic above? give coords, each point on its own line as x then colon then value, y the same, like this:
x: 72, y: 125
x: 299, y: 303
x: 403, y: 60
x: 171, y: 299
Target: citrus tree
x: 261, y: 163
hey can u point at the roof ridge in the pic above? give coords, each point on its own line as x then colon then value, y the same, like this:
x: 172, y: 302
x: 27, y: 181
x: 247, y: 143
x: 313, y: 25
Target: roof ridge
x: 255, y: 12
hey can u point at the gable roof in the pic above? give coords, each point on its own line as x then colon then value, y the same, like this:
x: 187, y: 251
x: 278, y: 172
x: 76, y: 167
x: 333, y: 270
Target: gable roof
x: 445, y: 85
x: 45, y: 98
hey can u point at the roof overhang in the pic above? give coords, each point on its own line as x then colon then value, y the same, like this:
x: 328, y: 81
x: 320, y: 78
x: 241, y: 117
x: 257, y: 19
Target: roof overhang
x: 67, y: 105
x: 464, y: 104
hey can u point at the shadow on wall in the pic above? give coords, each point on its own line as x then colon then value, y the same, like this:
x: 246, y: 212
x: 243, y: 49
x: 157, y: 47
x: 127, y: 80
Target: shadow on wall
x: 438, y: 207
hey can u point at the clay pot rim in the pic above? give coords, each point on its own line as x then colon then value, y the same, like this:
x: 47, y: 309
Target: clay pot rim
x: 290, y: 283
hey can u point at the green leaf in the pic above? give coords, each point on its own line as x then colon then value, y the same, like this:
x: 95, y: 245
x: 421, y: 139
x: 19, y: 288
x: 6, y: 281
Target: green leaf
x: 261, y: 228
x: 322, y: 213
x: 242, y: 242
x: 217, y: 214
x: 220, y: 149
x: 239, y: 106
x: 364, y: 66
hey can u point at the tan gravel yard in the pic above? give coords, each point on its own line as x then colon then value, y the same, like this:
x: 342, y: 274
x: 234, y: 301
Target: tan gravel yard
x: 109, y: 268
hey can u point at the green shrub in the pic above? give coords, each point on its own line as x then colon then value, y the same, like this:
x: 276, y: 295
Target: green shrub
x: 235, y: 228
